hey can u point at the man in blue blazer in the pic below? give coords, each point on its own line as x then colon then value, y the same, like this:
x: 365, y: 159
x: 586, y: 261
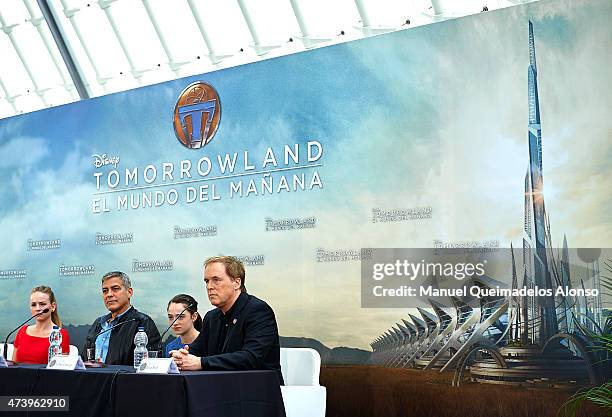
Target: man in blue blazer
x: 240, y: 334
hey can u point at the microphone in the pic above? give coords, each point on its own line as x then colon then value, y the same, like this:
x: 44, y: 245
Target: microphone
x: 96, y: 365
x: 168, y: 328
x: 45, y: 311
x: 112, y: 327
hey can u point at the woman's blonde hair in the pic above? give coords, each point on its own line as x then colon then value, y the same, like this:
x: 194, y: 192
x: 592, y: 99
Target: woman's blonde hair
x: 47, y: 290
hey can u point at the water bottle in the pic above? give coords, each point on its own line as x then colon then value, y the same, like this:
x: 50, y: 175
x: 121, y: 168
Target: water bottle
x: 55, y: 343
x: 140, y: 352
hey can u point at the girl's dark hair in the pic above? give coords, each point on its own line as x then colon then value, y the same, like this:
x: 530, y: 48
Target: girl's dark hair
x: 192, y: 306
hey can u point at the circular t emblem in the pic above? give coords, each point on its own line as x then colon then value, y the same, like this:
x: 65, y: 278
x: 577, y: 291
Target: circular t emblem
x: 196, y: 115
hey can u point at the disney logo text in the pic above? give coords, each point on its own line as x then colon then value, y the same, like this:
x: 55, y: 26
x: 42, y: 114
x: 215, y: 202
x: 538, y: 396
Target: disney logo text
x: 101, y: 160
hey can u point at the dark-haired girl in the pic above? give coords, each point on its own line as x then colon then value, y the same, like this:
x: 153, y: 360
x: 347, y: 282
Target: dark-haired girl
x: 189, y: 322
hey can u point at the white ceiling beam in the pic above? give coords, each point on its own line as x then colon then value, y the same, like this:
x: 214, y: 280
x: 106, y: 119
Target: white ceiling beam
x: 212, y: 54
x: 71, y: 14
x: 8, y: 97
x: 366, y: 24
x: 8, y: 30
x: 37, y: 23
x: 260, y: 49
x: 438, y: 7
x: 363, y: 13
x: 174, y: 66
x: 105, y: 5
x: 309, y: 40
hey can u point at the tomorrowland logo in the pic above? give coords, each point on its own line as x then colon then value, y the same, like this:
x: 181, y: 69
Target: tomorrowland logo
x: 197, y: 114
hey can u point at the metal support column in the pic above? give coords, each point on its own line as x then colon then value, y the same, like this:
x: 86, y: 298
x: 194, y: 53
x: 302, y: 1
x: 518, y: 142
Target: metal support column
x: 75, y: 74
x: 36, y: 22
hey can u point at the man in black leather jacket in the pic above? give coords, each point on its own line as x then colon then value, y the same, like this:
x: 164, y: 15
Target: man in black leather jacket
x: 116, y: 346
x: 241, y: 333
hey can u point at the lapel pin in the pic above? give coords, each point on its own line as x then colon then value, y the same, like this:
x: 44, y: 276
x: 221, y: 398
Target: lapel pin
x: 234, y: 321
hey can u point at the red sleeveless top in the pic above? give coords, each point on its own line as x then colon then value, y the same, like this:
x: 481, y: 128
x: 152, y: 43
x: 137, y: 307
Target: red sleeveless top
x: 33, y: 349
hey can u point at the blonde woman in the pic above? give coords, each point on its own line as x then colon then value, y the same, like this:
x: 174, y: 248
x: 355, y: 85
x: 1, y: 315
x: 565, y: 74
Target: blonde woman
x: 32, y: 342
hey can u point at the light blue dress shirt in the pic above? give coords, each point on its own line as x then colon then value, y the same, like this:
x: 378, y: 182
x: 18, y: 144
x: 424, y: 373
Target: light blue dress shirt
x: 103, y: 340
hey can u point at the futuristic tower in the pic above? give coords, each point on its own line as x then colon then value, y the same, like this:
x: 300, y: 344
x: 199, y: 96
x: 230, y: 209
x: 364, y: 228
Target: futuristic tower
x: 537, y: 341
x: 540, y: 310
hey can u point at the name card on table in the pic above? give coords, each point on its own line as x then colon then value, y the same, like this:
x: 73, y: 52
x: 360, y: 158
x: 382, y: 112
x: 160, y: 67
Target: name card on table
x: 158, y: 366
x: 2, y: 362
x: 67, y: 363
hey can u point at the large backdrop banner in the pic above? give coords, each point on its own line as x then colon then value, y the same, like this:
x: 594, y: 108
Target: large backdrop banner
x: 445, y: 136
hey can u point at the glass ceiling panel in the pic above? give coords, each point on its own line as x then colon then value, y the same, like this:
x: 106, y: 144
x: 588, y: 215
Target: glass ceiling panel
x: 327, y: 19
x: 122, y: 44
x: 225, y: 26
x: 274, y: 21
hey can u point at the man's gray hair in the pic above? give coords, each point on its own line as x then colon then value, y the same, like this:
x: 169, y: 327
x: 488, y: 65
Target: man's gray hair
x: 125, y: 279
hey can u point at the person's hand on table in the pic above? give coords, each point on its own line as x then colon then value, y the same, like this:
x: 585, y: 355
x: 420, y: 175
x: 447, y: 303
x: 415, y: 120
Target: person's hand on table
x: 185, y: 361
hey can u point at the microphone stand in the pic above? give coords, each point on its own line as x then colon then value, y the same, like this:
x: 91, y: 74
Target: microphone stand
x: 5, y: 352
x: 116, y: 325
x: 159, y: 347
x: 94, y: 364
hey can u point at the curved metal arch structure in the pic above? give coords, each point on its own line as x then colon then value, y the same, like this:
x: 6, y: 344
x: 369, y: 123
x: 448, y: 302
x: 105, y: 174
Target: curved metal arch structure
x: 448, y: 323
x: 489, y: 348
x: 438, y: 340
x: 589, y: 318
x: 478, y: 334
x: 586, y: 354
